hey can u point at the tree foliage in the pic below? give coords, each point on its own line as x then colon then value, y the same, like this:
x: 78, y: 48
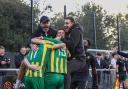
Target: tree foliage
x: 123, y: 27
x: 95, y: 18
x: 15, y: 20
x: 104, y: 25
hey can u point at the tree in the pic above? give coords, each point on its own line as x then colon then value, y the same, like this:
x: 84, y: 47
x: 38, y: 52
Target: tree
x: 123, y: 27
x: 58, y: 21
x: 103, y: 22
x: 15, y: 20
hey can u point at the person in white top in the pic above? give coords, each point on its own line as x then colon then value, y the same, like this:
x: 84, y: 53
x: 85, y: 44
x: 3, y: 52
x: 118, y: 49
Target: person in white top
x: 114, y: 60
x: 113, y: 66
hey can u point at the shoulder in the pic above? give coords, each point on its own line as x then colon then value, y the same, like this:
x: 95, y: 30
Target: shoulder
x: 37, y: 33
x: 17, y: 54
x: 53, y: 30
x: 77, y: 30
x: 78, y: 27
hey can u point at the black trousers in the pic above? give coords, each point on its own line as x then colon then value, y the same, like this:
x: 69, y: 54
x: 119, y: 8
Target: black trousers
x: 73, y: 66
x: 78, y: 85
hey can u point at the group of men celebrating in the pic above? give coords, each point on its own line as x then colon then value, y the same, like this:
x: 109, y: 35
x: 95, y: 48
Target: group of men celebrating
x: 54, y: 56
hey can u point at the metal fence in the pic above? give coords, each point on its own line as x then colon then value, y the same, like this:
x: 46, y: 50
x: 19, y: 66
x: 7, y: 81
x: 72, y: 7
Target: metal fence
x: 107, y: 79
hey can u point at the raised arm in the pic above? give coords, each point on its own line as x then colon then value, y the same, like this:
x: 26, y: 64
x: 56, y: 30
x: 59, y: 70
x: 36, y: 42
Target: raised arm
x: 30, y: 66
x: 37, y: 40
x: 61, y: 45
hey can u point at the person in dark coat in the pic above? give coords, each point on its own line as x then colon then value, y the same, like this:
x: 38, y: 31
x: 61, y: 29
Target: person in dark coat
x: 74, y: 43
x: 4, y: 60
x: 20, y: 56
x: 4, y: 63
x: 80, y: 78
x: 99, y: 65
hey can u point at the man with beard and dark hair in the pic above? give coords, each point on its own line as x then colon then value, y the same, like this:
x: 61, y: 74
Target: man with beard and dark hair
x: 80, y: 78
x: 44, y: 29
x: 74, y: 43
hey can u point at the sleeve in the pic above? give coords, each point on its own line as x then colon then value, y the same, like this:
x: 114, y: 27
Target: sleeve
x: 35, y: 34
x: 76, y: 37
x: 123, y: 54
x: 6, y: 58
x: 73, y: 40
x: 17, y: 61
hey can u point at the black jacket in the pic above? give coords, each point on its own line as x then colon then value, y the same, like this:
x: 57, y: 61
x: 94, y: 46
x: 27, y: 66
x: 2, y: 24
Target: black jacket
x: 74, y: 41
x: 4, y: 58
x: 18, y: 59
x: 51, y: 33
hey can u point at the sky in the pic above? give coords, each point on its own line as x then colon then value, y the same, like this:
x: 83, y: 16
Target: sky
x: 111, y: 6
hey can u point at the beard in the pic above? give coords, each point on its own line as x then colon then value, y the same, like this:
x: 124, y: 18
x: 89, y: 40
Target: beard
x: 45, y: 27
x: 66, y: 29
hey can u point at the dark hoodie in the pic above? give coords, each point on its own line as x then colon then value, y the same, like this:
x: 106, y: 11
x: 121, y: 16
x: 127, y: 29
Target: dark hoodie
x: 74, y: 41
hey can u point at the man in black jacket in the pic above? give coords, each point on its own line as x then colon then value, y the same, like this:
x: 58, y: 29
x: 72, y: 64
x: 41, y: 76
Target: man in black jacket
x: 74, y: 43
x: 44, y: 29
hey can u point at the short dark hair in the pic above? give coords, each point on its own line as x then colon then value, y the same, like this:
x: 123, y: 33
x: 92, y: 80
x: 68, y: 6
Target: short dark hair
x: 62, y: 28
x: 71, y: 19
x: 98, y: 54
x: 2, y: 47
x: 113, y: 54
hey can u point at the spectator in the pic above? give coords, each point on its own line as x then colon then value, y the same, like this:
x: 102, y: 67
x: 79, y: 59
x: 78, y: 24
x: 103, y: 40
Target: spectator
x: 114, y: 60
x: 4, y: 60
x: 99, y: 65
x: 20, y: 56
x: 121, y: 70
x: 4, y: 63
x: 113, y: 66
x: 106, y: 74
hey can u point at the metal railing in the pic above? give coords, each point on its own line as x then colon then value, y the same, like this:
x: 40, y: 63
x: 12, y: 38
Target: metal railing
x: 107, y: 78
